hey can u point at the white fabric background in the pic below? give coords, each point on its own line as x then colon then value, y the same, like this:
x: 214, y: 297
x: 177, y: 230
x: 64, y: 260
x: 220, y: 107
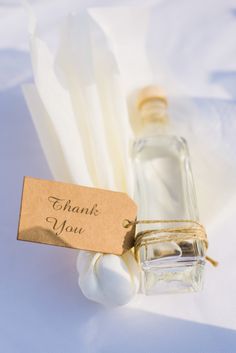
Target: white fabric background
x: 192, y: 50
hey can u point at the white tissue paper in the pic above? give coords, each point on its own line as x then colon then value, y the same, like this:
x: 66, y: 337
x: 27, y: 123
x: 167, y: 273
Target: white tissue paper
x: 80, y: 114
x: 147, y: 52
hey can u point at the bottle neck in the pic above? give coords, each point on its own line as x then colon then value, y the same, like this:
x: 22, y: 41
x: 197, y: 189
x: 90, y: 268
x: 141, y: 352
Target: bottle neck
x: 153, y: 117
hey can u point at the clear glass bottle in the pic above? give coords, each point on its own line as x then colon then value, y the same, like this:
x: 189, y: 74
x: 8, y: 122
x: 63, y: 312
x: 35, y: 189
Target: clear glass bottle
x: 165, y: 191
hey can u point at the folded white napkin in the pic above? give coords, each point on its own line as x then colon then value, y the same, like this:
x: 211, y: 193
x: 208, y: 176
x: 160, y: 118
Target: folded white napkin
x: 80, y: 114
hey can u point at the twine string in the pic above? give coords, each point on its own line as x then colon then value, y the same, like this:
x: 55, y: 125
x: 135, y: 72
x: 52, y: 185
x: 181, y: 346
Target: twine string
x: 172, y: 233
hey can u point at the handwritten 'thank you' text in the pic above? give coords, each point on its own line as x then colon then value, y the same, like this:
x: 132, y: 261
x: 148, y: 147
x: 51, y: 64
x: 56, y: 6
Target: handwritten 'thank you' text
x: 66, y: 206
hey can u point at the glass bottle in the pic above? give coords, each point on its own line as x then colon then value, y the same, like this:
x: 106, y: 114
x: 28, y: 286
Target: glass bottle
x: 165, y: 191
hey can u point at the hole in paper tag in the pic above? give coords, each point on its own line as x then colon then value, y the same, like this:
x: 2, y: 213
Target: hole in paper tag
x: 75, y: 216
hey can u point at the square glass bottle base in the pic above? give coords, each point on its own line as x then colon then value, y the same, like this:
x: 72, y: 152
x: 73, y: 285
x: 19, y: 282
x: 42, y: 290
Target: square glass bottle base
x: 187, y: 277
x: 171, y: 267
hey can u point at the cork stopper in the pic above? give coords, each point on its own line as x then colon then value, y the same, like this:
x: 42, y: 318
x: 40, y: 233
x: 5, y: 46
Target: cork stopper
x: 150, y: 93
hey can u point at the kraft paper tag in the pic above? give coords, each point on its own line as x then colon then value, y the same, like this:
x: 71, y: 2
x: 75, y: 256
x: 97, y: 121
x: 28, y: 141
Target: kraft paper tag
x: 75, y: 216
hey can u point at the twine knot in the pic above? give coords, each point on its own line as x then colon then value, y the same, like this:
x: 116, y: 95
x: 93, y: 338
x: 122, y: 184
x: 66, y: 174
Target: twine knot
x: 176, y: 230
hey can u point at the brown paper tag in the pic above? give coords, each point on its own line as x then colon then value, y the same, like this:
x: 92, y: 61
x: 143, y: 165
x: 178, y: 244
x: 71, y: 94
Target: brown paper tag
x: 75, y: 216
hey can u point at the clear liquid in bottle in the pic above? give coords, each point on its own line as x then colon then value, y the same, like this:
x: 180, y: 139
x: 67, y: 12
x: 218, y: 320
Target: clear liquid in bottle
x: 165, y: 191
